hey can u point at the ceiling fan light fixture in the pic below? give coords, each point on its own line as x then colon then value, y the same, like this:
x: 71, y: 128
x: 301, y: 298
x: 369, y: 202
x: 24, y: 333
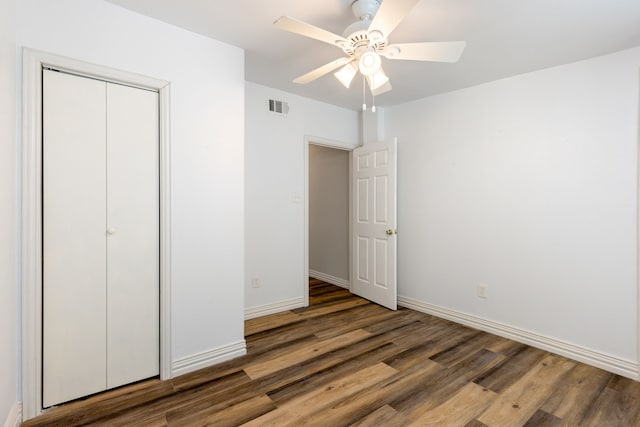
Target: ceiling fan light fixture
x: 369, y: 63
x: 346, y: 74
x: 366, y: 40
x: 377, y: 79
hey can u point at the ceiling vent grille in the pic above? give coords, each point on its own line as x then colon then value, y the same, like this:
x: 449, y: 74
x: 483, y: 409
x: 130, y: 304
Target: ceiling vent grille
x: 278, y: 107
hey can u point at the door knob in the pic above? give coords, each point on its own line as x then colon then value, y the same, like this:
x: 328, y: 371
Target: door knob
x: 111, y: 230
x: 389, y: 232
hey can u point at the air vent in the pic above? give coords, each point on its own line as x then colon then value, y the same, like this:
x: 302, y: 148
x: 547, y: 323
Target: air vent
x: 278, y: 107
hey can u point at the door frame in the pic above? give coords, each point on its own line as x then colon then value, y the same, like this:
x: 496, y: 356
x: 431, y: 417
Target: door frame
x: 329, y: 143
x: 33, y: 62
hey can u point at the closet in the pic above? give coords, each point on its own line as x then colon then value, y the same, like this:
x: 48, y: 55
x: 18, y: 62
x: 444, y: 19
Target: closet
x: 100, y: 236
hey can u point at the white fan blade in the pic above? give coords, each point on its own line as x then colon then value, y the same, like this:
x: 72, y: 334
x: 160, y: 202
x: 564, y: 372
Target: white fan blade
x: 321, y: 71
x: 390, y: 14
x: 382, y: 89
x: 295, y: 26
x: 428, y: 51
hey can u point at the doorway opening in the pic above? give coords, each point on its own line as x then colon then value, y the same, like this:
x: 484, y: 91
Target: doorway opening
x: 327, y: 213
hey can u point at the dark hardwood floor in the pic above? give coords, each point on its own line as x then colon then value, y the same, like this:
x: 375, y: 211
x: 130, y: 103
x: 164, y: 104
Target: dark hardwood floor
x: 345, y: 361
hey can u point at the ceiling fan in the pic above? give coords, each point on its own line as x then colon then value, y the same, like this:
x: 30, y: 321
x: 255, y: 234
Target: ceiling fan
x: 365, y: 41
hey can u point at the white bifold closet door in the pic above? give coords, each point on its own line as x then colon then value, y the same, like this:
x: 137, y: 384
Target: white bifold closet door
x: 100, y: 236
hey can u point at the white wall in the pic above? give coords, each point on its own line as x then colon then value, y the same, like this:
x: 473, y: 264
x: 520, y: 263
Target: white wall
x: 207, y: 122
x: 528, y: 185
x: 8, y: 213
x: 274, y: 164
x: 329, y: 211
x: 372, y: 125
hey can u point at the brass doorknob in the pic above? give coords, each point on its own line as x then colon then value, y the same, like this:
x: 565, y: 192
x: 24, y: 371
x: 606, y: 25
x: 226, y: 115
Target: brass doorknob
x: 389, y: 232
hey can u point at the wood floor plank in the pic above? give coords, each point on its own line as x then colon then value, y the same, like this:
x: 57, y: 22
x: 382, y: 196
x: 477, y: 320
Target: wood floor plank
x: 324, y: 326
x: 384, y: 416
x: 208, y: 392
x: 506, y: 347
x: 438, y: 343
x: 368, y: 352
x: 511, y: 369
x: 326, y: 297
x: 576, y: 393
x: 521, y: 400
x: 104, y: 404
x: 149, y: 421
x: 464, y: 406
x: 271, y: 339
x: 272, y: 365
x: 543, y: 419
x: 613, y: 409
x: 232, y: 415
x: 625, y: 386
x: 319, y: 310
x: 260, y: 324
x: 375, y: 315
x: 302, y: 410
x: 446, y: 384
x: 359, y: 405
x: 459, y: 352
x: 345, y: 361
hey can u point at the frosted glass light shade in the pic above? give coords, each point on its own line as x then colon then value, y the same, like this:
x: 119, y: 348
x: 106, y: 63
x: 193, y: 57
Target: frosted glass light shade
x: 346, y: 74
x: 377, y: 79
x: 369, y: 63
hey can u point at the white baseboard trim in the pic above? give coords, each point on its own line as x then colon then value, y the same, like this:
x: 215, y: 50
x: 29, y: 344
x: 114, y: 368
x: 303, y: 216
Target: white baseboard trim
x: 330, y: 279
x: 14, y: 419
x: 604, y: 361
x: 276, y: 307
x: 208, y: 358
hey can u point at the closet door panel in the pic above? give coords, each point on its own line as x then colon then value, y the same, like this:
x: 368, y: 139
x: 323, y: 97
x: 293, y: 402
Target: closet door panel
x: 133, y: 241
x: 74, y: 250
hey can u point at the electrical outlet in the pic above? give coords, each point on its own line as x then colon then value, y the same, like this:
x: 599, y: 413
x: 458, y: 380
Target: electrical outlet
x: 483, y: 291
x: 255, y: 282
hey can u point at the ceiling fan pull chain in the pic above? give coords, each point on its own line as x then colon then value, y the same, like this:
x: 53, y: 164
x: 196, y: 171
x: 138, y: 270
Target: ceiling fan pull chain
x: 373, y: 102
x: 364, y: 93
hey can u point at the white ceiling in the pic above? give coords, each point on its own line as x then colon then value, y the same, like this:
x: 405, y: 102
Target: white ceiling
x: 504, y: 38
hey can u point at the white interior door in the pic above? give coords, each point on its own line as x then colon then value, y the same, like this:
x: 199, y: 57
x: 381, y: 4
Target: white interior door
x: 374, y: 244
x: 100, y: 236
x: 74, y: 251
x: 132, y: 235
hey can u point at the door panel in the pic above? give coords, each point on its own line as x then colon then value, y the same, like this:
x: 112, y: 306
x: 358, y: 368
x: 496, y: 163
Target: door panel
x: 374, y: 207
x: 133, y: 238
x: 362, y: 198
x: 380, y: 192
x: 381, y: 260
x: 74, y: 253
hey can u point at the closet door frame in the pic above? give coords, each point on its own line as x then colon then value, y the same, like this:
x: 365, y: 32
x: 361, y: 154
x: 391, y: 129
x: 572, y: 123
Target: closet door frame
x: 31, y: 264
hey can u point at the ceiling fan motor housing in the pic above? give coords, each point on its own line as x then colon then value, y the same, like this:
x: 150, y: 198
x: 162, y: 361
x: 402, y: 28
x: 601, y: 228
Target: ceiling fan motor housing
x: 358, y: 38
x: 365, y: 8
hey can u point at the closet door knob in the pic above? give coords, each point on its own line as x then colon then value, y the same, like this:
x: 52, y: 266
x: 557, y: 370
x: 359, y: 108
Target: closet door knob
x: 111, y: 230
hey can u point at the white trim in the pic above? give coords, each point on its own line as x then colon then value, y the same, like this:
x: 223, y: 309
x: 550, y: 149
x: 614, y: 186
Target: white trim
x: 273, y: 308
x: 330, y: 143
x: 205, y: 359
x: 33, y: 62
x: 14, y: 418
x: 637, y: 378
x: 165, y: 232
x: 604, y: 361
x: 343, y: 283
x: 341, y: 145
